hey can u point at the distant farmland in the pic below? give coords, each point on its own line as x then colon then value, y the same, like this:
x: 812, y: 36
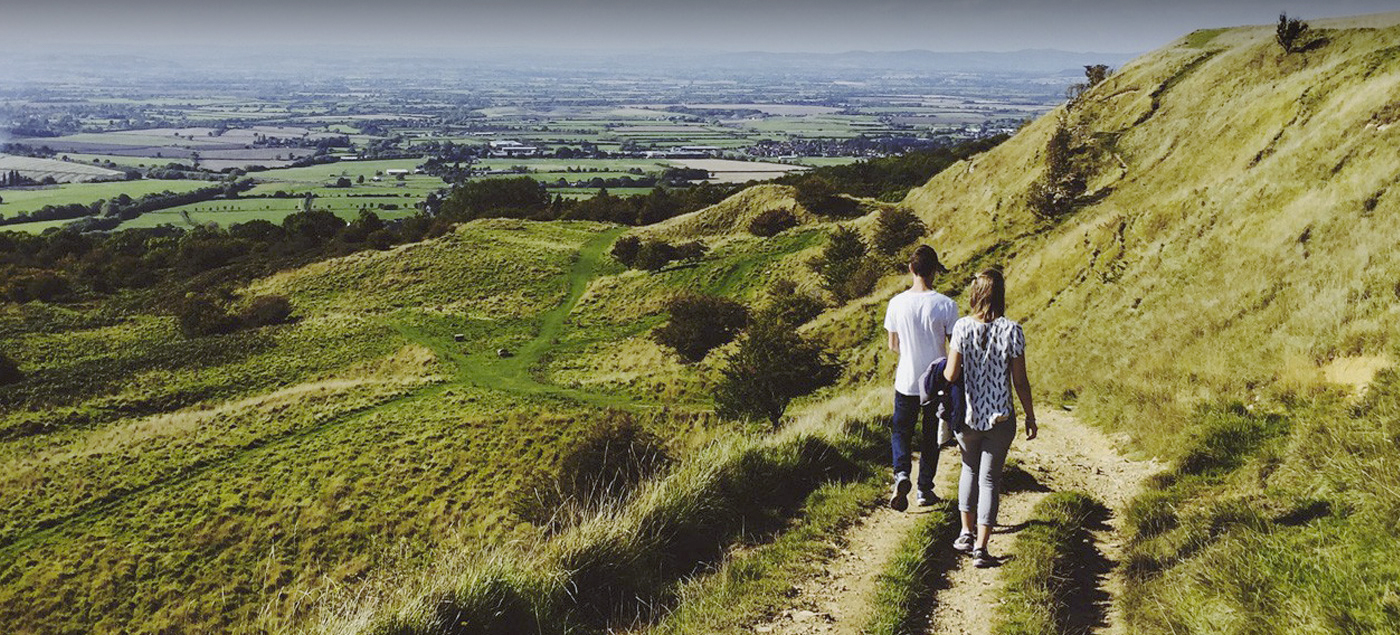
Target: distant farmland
x: 59, y: 171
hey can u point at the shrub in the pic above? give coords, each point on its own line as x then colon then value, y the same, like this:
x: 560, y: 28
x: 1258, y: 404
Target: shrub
x: 1289, y: 32
x: 693, y: 250
x: 772, y: 222
x: 199, y: 315
x: 788, y: 305
x: 381, y: 239
x: 36, y: 284
x: 700, y: 323
x: 839, y: 259
x: 625, y: 250
x: 653, y: 256
x: 266, y: 310
x: 773, y: 366
x: 1059, y: 189
x: 9, y: 371
x: 820, y: 197
x: 895, y: 228
x: 612, y: 458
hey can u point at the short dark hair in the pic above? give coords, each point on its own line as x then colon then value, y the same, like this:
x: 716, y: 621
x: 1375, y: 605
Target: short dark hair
x: 987, y: 294
x: 924, y: 262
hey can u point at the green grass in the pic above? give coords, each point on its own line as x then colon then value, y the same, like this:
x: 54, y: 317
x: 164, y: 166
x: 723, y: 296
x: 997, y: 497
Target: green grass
x: 1237, y: 247
x: 904, y: 592
x: 1048, y: 581
x: 85, y: 193
x: 269, y: 467
x: 622, y: 566
x: 756, y: 582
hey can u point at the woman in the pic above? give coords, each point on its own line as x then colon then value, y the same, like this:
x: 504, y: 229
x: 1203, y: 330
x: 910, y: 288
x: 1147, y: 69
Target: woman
x: 988, y: 352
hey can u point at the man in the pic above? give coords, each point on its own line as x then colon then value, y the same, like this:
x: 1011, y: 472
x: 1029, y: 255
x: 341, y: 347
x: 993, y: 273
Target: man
x: 919, y: 322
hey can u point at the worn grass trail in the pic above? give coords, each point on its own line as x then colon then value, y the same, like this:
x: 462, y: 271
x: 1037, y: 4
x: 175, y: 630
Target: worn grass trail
x: 517, y: 373
x: 510, y: 375
x: 1067, y: 455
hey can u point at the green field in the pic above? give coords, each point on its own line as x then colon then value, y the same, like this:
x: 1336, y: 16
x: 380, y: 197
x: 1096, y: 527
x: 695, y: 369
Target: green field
x: 28, y: 200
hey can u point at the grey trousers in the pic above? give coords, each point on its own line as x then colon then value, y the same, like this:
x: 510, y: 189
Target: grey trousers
x: 983, y: 454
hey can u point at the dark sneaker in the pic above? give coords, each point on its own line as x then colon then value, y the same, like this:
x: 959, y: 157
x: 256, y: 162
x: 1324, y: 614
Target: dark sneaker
x: 899, y: 500
x: 982, y: 560
x: 963, y: 543
x: 927, y: 498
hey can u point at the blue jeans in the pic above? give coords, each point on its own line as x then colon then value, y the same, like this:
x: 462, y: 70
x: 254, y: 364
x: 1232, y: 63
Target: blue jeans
x: 907, y: 413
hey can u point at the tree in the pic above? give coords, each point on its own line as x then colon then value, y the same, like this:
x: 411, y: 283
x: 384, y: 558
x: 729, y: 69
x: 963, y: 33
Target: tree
x: 1057, y: 191
x: 360, y: 179
x: 343, y: 182
x: 1096, y: 74
x: 895, y: 228
x: 772, y: 366
x: 1289, y: 32
x: 700, y: 323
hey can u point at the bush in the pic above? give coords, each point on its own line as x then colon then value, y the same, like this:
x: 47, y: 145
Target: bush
x: 1059, y: 189
x: 772, y: 222
x: 266, y: 310
x: 1289, y: 32
x: 820, y: 197
x: 612, y: 458
x: 773, y: 366
x: 846, y: 270
x: 787, y: 305
x: 9, y: 371
x: 895, y: 228
x: 36, y: 284
x: 625, y: 250
x: 200, y: 315
x: 693, y: 250
x: 700, y: 323
x: 654, y: 256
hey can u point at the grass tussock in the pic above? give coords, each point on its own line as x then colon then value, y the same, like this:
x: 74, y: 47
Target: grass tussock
x: 905, y: 589
x: 1294, y: 534
x: 624, y: 565
x: 1049, y: 580
x: 757, y: 581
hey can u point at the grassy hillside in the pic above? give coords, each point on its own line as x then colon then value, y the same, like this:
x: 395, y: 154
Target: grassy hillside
x: 1220, y: 294
x: 1239, y: 234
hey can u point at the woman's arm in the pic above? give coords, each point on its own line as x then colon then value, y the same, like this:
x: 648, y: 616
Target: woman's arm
x: 953, y: 369
x: 1023, y: 390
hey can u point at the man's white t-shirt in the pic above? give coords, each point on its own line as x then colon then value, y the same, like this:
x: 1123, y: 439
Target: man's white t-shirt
x: 923, y: 319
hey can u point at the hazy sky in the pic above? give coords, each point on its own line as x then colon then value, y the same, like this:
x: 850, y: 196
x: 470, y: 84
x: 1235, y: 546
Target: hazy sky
x: 774, y: 25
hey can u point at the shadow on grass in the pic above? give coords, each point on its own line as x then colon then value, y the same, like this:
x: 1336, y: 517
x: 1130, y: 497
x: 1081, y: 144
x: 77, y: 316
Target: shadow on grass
x: 1087, y: 600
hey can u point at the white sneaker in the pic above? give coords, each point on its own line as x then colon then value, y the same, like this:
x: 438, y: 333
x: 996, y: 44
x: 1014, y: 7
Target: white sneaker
x: 899, y: 499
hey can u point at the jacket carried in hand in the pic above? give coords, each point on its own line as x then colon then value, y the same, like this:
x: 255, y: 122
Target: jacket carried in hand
x: 952, y: 404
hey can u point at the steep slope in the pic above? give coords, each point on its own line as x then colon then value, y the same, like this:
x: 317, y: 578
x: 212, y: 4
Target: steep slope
x: 1223, y: 292
x: 1238, y: 229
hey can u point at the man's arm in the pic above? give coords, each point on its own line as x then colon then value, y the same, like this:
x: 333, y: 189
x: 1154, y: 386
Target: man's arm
x: 894, y: 341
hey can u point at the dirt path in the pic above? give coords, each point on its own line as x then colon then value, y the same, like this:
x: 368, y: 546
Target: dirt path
x: 838, y: 600
x: 1068, y: 455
